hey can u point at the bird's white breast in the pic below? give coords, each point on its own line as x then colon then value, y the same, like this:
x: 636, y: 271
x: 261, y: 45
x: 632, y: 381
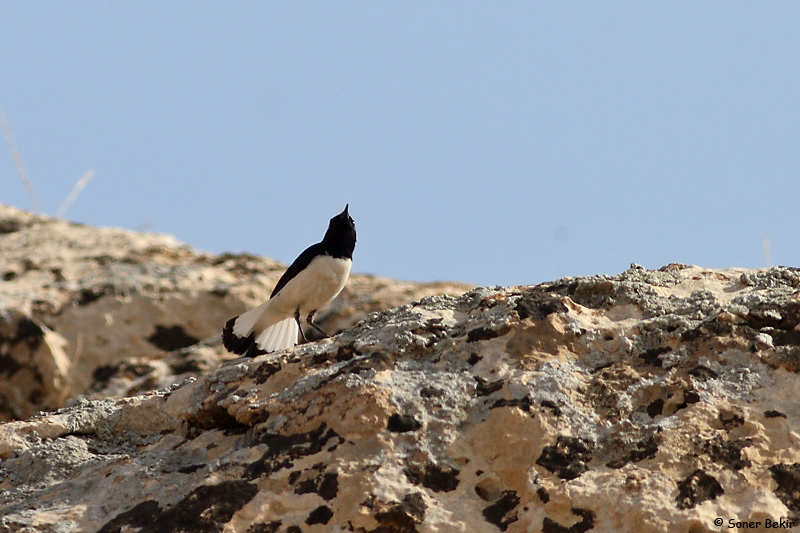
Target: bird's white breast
x: 315, y: 286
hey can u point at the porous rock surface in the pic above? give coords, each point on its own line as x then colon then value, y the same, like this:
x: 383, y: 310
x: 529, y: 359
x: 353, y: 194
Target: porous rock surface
x: 105, y: 312
x: 647, y: 401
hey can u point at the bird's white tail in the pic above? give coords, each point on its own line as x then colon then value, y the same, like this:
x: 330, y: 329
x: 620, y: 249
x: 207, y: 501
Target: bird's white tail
x: 278, y: 336
x: 255, y: 332
x: 246, y: 322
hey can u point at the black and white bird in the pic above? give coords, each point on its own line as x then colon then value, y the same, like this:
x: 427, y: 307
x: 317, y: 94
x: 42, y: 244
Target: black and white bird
x: 310, y: 283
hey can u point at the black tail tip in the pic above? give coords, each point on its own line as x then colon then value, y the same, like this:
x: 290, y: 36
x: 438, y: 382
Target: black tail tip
x: 239, y: 345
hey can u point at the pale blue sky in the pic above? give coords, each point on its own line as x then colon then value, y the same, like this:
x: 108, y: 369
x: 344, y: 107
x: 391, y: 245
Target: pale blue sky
x: 494, y: 143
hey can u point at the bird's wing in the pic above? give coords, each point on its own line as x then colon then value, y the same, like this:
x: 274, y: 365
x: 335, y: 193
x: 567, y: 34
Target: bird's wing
x: 298, y: 265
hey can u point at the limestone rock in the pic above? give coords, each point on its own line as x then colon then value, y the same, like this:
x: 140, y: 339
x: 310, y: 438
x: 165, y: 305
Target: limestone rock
x: 82, y: 306
x: 33, y: 356
x: 648, y: 401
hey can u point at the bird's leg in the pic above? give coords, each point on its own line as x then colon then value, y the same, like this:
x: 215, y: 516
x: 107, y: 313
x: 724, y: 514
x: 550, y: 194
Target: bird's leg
x: 300, y: 326
x: 311, y: 323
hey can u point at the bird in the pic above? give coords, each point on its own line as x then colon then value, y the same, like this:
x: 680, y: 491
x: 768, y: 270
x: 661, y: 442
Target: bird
x: 310, y: 283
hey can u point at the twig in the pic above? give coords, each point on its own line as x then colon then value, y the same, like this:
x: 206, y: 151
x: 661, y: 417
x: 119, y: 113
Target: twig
x: 767, y: 244
x: 76, y: 190
x: 18, y: 161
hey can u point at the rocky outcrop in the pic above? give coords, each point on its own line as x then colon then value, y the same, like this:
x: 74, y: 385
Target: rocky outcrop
x: 649, y: 401
x: 96, y: 311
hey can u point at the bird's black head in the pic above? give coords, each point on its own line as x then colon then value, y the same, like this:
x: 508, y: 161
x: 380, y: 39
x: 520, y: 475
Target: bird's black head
x: 340, y: 239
